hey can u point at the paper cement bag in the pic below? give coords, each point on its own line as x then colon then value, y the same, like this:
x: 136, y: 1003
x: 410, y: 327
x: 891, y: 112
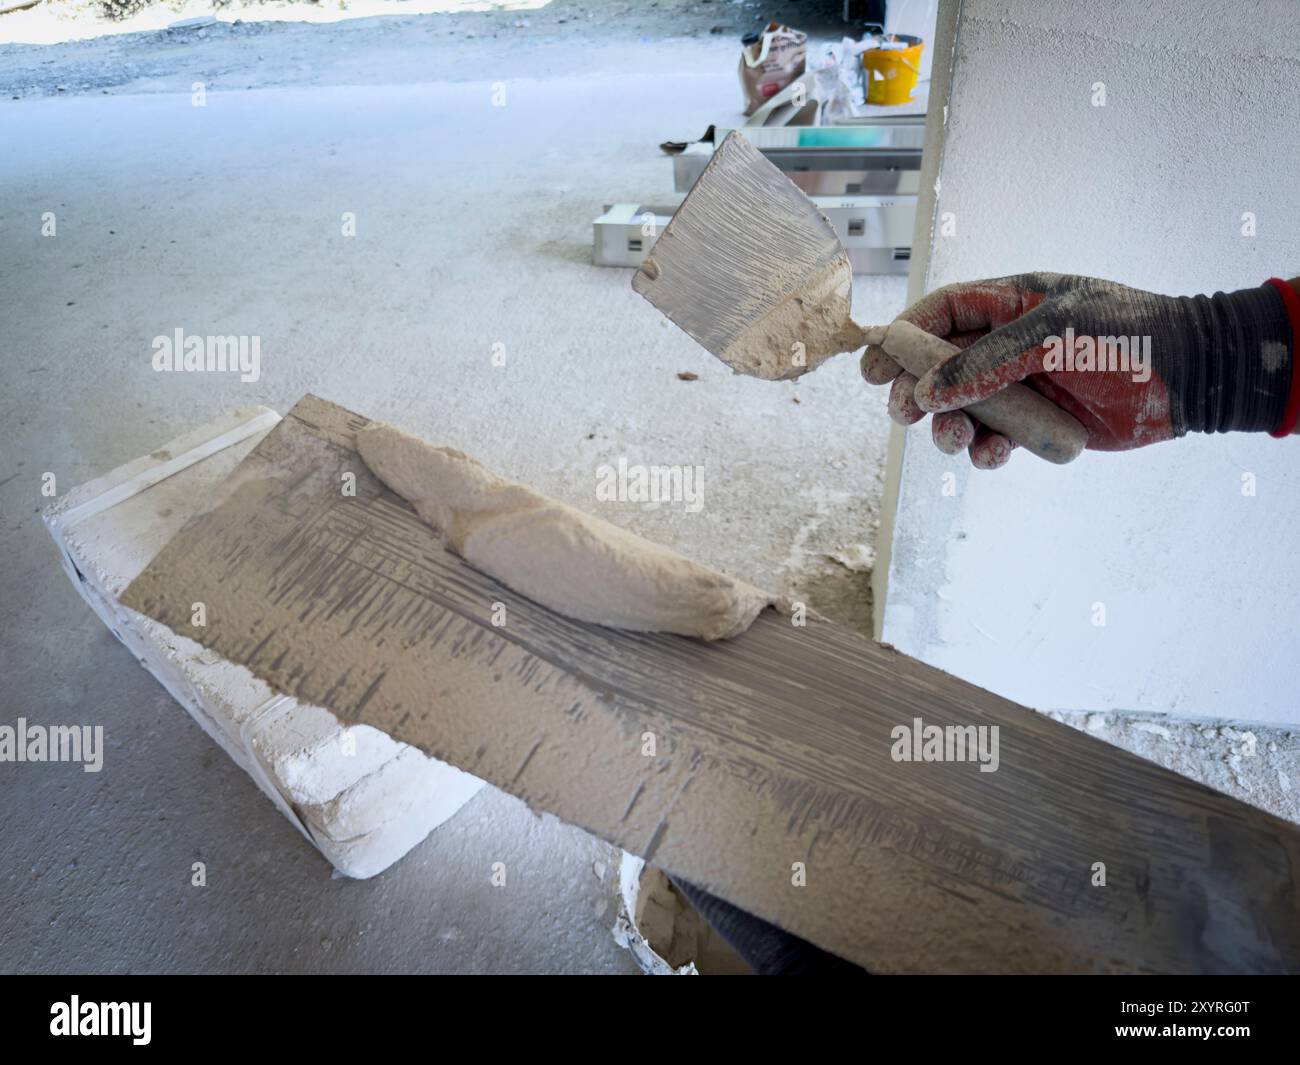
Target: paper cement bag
x: 769, y: 62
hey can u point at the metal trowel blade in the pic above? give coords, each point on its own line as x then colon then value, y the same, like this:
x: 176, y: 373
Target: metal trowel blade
x: 745, y: 262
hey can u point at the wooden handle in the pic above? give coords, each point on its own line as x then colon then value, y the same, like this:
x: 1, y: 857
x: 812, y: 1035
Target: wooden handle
x: 1029, y: 418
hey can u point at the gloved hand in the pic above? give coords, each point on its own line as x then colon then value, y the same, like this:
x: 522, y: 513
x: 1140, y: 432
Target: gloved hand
x: 1216, y: 363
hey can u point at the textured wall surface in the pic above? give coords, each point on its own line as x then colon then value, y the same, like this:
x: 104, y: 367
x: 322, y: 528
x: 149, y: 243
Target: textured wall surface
x: 999, y: 580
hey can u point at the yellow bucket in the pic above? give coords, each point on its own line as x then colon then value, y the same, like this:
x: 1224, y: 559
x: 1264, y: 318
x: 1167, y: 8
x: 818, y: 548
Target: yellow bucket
x: 891, y: 73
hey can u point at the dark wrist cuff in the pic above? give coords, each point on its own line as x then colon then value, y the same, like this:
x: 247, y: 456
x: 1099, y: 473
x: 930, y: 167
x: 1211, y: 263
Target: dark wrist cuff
x: 1237, y: 377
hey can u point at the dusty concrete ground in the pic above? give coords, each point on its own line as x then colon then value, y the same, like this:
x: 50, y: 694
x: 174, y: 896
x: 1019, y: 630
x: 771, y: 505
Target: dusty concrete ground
x: 242, y: 51
x: 472, y: 230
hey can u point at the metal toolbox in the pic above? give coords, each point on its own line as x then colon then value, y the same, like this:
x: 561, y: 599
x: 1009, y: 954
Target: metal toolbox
x: 875, y: 230
x: 864, y: 179
x: 624, y: 233
x: 881, y: 157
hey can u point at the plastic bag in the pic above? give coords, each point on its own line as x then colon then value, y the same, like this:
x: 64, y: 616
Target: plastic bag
x: 838, y: 75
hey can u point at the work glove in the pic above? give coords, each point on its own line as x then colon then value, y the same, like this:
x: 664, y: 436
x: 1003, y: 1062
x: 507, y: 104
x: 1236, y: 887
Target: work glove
x: 1205, y: 364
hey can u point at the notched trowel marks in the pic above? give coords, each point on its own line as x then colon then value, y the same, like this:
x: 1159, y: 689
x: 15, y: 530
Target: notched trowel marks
x: 771, y: 748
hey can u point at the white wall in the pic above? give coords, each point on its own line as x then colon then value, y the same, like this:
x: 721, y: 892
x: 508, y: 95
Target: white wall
x: 1201, y: 584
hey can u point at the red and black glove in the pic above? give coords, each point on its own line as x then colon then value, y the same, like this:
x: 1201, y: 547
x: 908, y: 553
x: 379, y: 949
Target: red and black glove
x: 1160, y: 366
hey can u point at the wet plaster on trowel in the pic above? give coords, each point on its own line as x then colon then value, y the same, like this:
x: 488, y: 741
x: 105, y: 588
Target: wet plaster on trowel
x: 567, y: 560
x: 802, y: 331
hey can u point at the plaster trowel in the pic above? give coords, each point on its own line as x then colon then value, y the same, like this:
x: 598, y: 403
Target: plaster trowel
x: 754, y: 272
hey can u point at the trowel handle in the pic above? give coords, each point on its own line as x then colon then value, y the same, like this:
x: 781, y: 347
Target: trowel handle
x: 1029, y: 418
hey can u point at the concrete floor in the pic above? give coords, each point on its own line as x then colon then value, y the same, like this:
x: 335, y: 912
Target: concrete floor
x: 473, y: 228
